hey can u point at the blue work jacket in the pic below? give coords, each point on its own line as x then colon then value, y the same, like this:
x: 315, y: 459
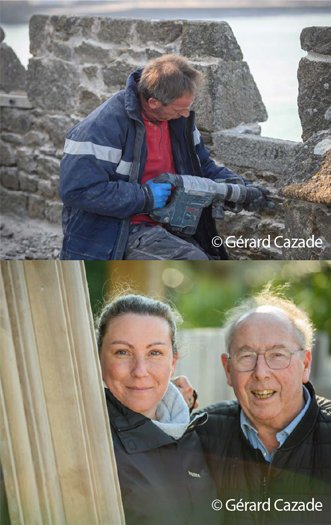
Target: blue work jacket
x: 101, y: 170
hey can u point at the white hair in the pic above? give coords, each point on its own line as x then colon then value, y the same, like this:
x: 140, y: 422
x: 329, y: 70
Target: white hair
x: 267, y: 302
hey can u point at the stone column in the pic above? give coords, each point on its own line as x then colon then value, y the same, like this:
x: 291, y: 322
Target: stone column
x: 56, y: 448
x: 314, y: 77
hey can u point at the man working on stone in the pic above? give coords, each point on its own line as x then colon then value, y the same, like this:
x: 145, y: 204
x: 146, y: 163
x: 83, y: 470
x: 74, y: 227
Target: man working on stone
x: 270, y: 452
x: 113, y: 155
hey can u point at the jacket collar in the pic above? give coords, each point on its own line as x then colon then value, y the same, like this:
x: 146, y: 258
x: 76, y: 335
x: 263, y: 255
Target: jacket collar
x: 131, y: 99
x: 138, y: 433
x: 306, y: 424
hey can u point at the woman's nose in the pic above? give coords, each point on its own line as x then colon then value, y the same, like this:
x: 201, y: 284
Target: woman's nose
x: 139, y: 368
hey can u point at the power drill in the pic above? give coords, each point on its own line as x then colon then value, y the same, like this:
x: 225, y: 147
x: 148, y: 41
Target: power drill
x: 192, y: 194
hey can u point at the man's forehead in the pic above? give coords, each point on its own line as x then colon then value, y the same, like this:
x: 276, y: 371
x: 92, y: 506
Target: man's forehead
x: 268, y: 319
x: 184, y: 100
x: 264, y: 313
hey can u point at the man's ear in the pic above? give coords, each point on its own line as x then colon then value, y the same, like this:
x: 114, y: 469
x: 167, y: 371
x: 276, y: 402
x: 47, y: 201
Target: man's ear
x: 153, y: 103
x: 226, y: 366
x: 307, y: 366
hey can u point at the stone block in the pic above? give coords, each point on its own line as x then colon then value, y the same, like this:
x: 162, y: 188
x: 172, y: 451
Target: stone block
x: 160, y: 32
x: 229, y: 97
x: 116, y: 31
x: 40, y: 33
x: 314, y: 76
x: 53, y: 212
x: 116, y: 74
x: 12, y: 73
x: 26, y: 160
x: 303, y: 220
x: 308, y: 157
x: 252, y: 229
x: 46, y: 188
x: 63, y: 51
x: 36, y: 206
x: 261, y: 153
x: 94, y: 54
x: 12, y: 138
x: 211, y: 39
x: 153, y: 53
x: 7, y: 154
x: 53, y: 84
x: 56, y: 126
x: 88, y: 101
x: 28, y: 183
x: 91, y: 72
x: 65, y: 27
x: 13, y: 201
x: 16, y: 120
x: 317, y: 39
x: 47, y: 166
x: 34, y: 138
x: 9, y: 178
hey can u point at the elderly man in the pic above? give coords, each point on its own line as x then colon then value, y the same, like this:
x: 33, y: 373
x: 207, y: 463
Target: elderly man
x: 270, y: 452
x: 112, y: 157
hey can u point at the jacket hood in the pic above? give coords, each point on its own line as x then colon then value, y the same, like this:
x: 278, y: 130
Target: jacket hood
x: 131, y: 101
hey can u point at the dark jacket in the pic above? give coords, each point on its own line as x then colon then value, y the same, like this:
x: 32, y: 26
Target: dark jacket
x: 163, y: 481
x: 103, y: 162
x: 299, y: 471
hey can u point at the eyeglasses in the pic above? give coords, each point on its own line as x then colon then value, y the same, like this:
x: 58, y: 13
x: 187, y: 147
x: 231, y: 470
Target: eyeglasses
x: 276, y: 359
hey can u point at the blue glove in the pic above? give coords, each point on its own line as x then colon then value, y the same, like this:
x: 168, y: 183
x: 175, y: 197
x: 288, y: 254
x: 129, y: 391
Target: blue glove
x: 159, y: 192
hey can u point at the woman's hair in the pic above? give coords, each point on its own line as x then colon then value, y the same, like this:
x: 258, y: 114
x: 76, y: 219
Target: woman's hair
x: 140, y: 305
x: 167, y: 78
x: 265, y: 302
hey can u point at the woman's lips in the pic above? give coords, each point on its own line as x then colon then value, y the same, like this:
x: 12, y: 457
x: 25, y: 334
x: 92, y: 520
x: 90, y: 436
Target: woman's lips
x: 140, y: 388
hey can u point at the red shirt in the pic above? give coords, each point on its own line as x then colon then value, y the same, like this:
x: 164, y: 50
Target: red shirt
x: 159, y: 158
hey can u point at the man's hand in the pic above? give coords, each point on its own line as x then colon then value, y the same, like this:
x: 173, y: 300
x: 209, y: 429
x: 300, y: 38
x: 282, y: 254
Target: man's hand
x: 257, y: 198
x: 159, y: 192
x: 187, y: 391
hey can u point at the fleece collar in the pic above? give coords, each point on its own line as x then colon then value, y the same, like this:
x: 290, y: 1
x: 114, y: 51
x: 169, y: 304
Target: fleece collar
x: 138, y: 433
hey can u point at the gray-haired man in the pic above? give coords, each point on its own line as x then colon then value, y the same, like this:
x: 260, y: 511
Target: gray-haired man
x: 270, y: 451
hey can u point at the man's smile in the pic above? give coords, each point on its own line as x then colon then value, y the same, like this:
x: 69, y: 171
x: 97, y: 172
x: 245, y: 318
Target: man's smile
x: 263, y: 394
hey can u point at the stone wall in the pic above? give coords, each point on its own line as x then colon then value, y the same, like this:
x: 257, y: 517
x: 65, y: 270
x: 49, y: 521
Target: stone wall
x: 79, y: 62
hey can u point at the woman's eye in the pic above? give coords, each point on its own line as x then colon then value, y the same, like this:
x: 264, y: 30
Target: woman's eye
x: 155, y: 352
x: 121, y: 352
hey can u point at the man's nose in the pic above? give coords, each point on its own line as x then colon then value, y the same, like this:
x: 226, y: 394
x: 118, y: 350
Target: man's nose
x: 139, y: 368
x: 261, y: 368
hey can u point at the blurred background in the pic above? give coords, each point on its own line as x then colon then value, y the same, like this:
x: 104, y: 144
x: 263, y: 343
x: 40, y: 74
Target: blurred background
x: 203, y: 292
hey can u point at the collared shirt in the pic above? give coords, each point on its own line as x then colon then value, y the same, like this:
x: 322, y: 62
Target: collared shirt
x: 253, y: 436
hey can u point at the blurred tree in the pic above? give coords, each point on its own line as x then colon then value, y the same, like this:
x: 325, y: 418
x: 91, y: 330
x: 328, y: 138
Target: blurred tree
x: 204, y: 291
x: 96, y: 275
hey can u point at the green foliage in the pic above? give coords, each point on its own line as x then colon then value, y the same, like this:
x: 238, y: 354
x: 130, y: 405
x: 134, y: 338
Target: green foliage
x: 312, y: 292
x: 212, y: 294
x: 204, y: 292
x: 96, y: 275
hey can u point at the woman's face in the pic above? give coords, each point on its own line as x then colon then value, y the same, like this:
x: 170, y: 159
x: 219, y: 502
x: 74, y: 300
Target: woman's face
x: 137, y: 361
